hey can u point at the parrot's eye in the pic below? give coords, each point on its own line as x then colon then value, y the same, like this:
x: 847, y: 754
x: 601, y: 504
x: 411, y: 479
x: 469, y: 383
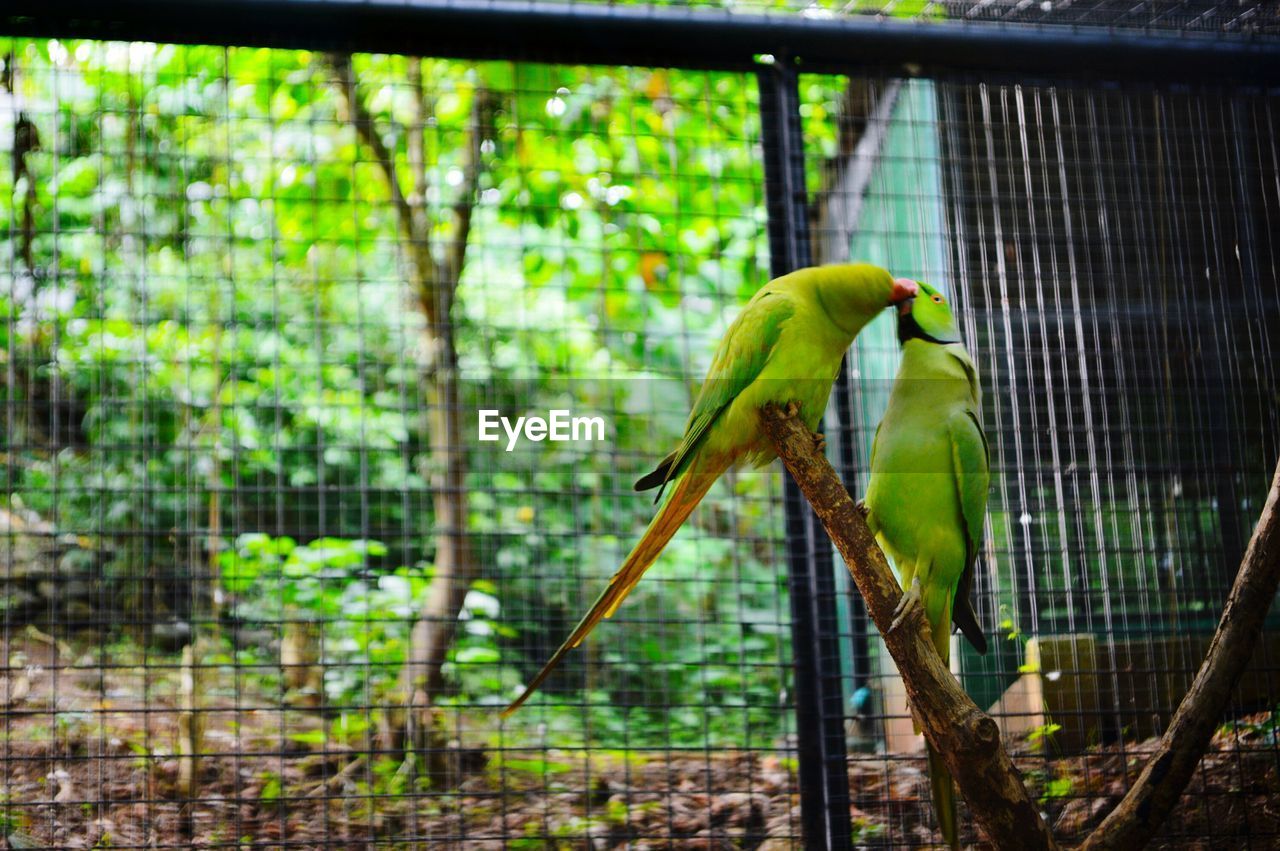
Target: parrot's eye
x: 937, y: 299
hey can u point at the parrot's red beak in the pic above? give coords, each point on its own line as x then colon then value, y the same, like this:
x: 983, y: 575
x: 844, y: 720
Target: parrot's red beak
x: 904, y: 306
x: 903, y: 289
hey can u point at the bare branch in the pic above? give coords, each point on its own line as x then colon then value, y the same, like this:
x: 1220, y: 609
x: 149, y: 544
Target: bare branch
x: 481, y: 128
x: 421, y: 678
x: 411, y: 216
x: 967, y: 737
x: 362, y: 120
x: 1140, y: 815
x: 417, y: 127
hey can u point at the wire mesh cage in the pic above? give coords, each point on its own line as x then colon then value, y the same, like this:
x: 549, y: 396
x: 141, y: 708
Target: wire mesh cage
x: 1105, y: 248
x: 276, y: 545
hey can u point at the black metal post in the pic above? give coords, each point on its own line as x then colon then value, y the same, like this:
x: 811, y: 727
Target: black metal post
x: 824, y: 777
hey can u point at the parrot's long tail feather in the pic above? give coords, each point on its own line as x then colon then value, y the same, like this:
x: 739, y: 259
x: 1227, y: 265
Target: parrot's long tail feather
x: 944, y: 798
x: 688, y: 493
x: 660, y: 475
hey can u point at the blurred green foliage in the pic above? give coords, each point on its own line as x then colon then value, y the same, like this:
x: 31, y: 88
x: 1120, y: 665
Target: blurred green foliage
x: 213, y: 357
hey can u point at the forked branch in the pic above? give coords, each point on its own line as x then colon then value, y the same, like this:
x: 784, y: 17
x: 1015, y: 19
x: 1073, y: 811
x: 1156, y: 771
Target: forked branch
x: 411, y: 213
x: 967, y: 737
x: 433, y: 285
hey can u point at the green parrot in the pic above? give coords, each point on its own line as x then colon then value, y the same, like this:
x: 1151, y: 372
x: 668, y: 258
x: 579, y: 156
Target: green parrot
x: 928, y: 491
x: 784, y: 347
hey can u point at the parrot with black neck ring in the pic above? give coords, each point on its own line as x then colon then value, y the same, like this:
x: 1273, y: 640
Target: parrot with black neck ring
x: 927, y: 496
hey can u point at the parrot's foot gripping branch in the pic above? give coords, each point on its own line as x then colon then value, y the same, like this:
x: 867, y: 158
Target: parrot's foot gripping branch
x: 909, y: 606
x: 792, y: 410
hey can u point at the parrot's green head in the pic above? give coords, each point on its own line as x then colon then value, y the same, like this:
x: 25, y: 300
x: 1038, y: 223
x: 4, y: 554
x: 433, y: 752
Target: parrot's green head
x: 927, y: 317
x: 852, y: 294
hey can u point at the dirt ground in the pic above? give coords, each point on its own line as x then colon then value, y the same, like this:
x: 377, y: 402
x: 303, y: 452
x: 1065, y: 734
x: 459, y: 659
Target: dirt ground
x: 86, y: 763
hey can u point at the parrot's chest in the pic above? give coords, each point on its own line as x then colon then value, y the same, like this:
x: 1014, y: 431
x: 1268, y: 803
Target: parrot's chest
x: 920, y: 448
x: 912, y: 497
x: 801, y: 371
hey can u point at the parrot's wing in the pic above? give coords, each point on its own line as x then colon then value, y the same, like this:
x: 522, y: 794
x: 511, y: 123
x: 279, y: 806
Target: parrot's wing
x: 738, y: 361
x: 873, y: 522
x: 970, y: 459
x: 958, y: 352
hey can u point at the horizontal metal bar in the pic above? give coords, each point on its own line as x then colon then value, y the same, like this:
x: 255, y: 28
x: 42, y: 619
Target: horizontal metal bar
x: 656, y: 36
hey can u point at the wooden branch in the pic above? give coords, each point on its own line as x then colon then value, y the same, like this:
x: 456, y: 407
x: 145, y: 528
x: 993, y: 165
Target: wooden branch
x: 334, y: 783
x: 967, y: 737
x: 1139, y: 816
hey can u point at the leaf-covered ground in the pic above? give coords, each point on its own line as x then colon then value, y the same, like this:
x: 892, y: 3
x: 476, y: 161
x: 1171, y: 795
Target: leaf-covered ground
x: 87, y: 764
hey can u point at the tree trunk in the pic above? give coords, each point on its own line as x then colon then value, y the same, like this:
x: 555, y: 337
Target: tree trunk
x: 434, y: 285
x: 422, y: 677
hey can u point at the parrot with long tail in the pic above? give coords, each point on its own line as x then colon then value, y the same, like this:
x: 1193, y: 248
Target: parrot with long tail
x: 927, y: 497
x: 784, y: 347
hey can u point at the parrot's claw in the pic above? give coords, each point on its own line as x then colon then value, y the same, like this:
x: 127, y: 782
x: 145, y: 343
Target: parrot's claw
x: 819, y: 442
x: 861, y: 505
x: 792, y: 409
x: 908, y: 606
